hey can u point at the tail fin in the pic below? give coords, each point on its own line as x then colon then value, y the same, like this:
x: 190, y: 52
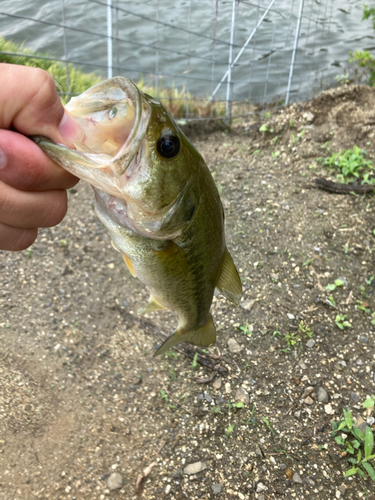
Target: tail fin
x: 203, y: 337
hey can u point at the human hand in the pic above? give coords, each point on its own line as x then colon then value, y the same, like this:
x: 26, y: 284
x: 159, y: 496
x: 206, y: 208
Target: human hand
x: 32, y: 186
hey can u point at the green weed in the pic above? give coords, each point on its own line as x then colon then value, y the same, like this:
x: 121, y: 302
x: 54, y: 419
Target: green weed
x: 341, y: 321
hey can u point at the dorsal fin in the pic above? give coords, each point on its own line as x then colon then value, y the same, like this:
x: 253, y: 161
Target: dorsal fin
x: 229, y: 283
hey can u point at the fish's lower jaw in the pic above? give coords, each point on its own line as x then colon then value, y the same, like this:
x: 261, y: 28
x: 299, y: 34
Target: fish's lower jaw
x: 203, y: 336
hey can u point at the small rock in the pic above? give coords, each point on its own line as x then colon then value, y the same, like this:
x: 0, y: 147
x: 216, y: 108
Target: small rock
x: 259, y: 452
x: 288, y: 473
x: 308, y: 390
x: 234, y: 346
x: 309, y: 481
x: 308, y: 117
x: 217, y: 383
x: 290, y: 316
x: 177, y: 474
x: 361, y: 424
x: 282, y: 466
x: 195, y: 468
x: 370, y: 420
x: 363, y: 339
x: 274, y: 277
x: 247, y: 304
x: 322, y: 395
x: 216, y: 488
x: 114, y: 481
x: 310, y: 343
x: 302, y: 365
x: 342, y: 489
x: 252, y: 381
x: 328, y: 409
x: 297, y: 478
x: 260, y: 487
x: 297, y: 414
x: 242, y: 396
x: 354, y: 397
x: 308, y: 401
x: 167, y: 489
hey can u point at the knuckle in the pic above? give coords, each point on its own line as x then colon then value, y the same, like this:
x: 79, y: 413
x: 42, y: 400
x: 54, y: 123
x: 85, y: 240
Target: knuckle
x: 56, y: 209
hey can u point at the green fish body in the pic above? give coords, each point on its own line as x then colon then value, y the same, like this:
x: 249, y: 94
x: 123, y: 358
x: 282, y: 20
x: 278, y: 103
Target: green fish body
x: 158, y: 200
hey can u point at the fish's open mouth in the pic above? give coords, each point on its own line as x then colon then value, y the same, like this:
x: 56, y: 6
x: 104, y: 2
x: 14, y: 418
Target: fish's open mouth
x: 114, y: 119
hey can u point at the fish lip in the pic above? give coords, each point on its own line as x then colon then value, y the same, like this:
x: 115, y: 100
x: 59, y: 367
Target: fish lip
x: 119, y: 163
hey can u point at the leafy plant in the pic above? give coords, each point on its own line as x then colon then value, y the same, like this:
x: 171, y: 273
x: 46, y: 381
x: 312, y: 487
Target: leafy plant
x: 195, y: 363
x: 358, y: 447
x: 229, y: 431
x: 333, y: 286
x: 341, y: 321
x: 350, y: 165
x: 369, y: 402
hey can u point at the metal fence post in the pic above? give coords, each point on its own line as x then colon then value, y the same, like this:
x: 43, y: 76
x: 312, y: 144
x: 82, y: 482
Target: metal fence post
x: 109, y: 39
x: 228, y: 106
x: 294, y: 52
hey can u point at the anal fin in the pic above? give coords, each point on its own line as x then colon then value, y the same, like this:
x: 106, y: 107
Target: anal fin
x: 229, y: 282
x: 152, y: 305
x: 202, y: 337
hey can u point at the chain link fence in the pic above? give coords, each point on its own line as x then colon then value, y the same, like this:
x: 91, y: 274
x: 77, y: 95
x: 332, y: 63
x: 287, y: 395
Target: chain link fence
x: 207, y: 60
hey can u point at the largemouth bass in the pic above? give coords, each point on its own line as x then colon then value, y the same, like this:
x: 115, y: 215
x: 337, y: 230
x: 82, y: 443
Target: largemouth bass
x: 158, y: 200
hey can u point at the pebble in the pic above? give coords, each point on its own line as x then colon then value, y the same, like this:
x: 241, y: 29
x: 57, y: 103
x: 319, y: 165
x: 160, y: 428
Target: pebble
x: 242, y: 396
x: 217, y: 383
x: 297, y: 414
x: 195, y: 468
x: 309, y: 117
x: 309, y: 481
x: 302, y: 365
x: 361, y: 424
x: 177, y: 474
x: 328, y: 409
x: 260, y: 487
x: 308, y: 390
x: 247, y: 304
x: 274, y: 277
x: 216, y: 488
x: 322, y: 395
x: 297, y: 478
x: 310, y: 343
x: 354, y: 397
x: 167, y: 489
x: 308, y: 401
x: 290, y: 316
x: 234, y: 346
x: 342, y: 489
x: 363, y: 339
x: 114, y: 481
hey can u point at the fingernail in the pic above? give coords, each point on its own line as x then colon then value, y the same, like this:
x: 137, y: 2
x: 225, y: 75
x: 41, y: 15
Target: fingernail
x: 3, y: 158
x: 70, y: 129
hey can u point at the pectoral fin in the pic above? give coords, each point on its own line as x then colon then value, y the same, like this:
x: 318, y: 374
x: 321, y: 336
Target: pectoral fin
x: 203, y: 337
x: 129, y: 264
x: 229, y: 283
x: 152, y: 305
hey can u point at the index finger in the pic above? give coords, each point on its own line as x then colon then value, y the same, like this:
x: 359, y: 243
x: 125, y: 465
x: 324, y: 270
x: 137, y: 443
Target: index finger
x: 30, y: 104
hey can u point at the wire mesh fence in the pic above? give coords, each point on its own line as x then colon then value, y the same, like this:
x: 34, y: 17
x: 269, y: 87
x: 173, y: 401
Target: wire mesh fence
x: 206, y: 60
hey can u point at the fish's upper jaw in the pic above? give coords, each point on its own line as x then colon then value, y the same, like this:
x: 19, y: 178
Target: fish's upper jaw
x: 114, y: 116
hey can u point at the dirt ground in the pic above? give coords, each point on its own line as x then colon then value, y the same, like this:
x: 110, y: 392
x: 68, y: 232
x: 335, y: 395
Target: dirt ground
x: 81, y: 396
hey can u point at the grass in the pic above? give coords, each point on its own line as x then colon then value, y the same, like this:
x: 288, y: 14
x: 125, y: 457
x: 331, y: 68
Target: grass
x: 350, y: 165
x: 293, y: 339
x: 178, y: 102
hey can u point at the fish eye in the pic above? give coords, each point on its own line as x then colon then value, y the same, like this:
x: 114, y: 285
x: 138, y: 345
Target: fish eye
x: 112, y: 113
x: 168, y: 146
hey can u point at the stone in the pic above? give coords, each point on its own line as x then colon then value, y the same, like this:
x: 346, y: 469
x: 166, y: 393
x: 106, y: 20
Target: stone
x: 361, y: 424
x: 242, y: 396
x: 308, y: 401
x: 309, y: 481
x: 217, y: 383
x: 354, y: 397
x: 260, y: 487
x: 290, y: 316
x: 195, y: 468
x: 177, y: 474
x: 342, y: 489
x: 247, y: 305
x: 310, y: 343
x: 302, y: 365
x: 297, y: 414
x: 259, y: 452
x: 322, y: 395
x: 216, y: 488
x: 234, y: 346
x: 363, y: 339
x: 309, y: 117
x: 114, y: 481
x: 308, y: 390
x: 297, y: 478
x: 274, y: 277
x: 328, y: 409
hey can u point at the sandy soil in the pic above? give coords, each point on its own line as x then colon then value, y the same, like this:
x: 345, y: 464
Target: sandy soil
x: 81, y: 396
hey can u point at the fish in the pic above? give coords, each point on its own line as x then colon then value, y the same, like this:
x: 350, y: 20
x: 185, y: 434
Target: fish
x: 158, y: 200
